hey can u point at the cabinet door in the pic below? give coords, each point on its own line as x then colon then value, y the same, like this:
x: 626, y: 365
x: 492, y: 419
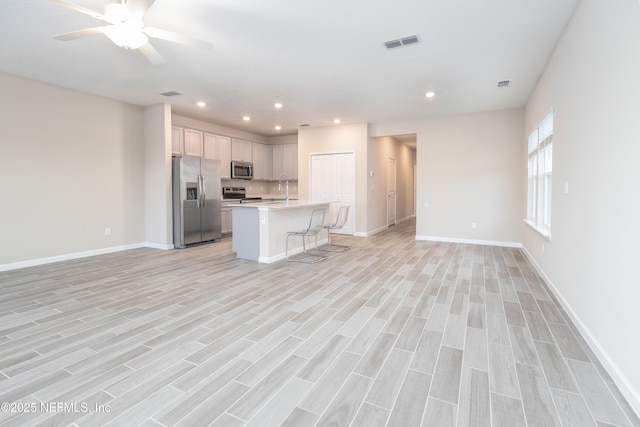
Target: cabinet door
x: 225, y: 221
x: 241, y: 150
x: 277, y: 166
x: 290, y: 160
x: 266, y: 161
x: 261, y: 161
x: 192, y: 142
x: 177, y: 140
x: 223, y: 149
x: 210, y: 146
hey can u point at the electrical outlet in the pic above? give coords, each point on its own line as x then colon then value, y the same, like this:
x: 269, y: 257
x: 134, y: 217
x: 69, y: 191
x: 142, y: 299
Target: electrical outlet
x: 107, y: 231
x: 474, y: 225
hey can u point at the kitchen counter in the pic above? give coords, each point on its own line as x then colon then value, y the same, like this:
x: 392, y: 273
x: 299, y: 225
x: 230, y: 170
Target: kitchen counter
x: 278, y: 204
x: 260, y: 228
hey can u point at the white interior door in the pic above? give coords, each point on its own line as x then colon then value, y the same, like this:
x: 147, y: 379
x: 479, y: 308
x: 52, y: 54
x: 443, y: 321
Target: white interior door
x: 333, y: 179
x: 391, y: 191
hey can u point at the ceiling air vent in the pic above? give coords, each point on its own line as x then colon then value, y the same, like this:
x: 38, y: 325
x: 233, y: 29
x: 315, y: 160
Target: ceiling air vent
x: 409, y: 40
x: 504, y: 83
x: 404, y: 41
x: 392, y: 44
x: 170, y: 93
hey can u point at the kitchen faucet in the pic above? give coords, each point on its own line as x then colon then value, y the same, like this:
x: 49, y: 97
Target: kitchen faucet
x: 286, y: 184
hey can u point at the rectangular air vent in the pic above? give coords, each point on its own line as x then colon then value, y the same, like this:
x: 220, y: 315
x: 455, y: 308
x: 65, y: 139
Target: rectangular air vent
x: 404, y: 41
x: 409, y: 40
x: 171, y: 93
x: 392, y: 43
x: 504, y: 83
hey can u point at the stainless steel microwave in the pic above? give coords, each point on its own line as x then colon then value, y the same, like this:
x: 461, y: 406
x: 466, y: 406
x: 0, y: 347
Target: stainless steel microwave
x: 241, y: 170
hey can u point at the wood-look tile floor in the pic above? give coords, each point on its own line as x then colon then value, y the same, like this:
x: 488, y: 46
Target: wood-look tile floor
x: 394, y: 332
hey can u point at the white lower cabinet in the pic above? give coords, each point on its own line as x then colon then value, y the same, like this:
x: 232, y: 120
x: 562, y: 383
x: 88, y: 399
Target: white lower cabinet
x: 225, y: 220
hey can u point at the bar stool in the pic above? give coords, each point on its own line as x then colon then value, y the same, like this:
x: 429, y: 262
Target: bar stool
x: 341, y: 220
x: 314, y: 228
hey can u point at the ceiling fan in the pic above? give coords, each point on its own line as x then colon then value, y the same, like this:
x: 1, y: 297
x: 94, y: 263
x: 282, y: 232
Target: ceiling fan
x: 126, y: 28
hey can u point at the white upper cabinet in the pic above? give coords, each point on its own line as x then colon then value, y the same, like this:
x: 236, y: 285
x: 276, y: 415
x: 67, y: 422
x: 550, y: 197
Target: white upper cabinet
x: 284, y: 159
x: 219, y: 147
x: 223, y: 146
x: 210, y: 146
x: 277, y: 165
x: 290, y: 160
x: 193, y: 142
x: 241, y: 150
x: 261, y: 161
x: 177, y: 140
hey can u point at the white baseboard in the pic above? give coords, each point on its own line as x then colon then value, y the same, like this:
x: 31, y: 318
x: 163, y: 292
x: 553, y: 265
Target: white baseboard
x: 164, y: 247
x: 470, y: 241
x: 66, y: 257
x: 382, y: 228
x: 626, y: 388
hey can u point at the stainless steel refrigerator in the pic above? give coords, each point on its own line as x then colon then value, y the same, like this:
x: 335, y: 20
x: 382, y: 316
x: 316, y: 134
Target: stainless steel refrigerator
x: 196, y: 200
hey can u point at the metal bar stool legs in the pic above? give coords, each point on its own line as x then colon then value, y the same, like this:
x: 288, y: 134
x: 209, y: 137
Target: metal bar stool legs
x: 315, y: 226
x: 341, y: 220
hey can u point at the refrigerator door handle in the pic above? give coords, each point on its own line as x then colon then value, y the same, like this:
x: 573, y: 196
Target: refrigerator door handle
x: 204, y: 191
x: 198, y: 203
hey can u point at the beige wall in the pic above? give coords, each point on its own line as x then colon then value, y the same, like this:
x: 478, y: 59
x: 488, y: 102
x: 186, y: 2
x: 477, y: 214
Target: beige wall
x: 592, y: 82
x: 336, y: 139
x: 71, y: 164
x: 469, y: 169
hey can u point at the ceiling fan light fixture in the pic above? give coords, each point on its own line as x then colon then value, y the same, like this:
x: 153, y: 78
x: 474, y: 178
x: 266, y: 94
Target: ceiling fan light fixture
x: 127, y: 35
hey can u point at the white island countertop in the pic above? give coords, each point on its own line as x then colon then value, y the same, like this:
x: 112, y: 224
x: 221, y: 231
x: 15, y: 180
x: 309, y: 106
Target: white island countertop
x: 279, y: 204
x: 260, y: 227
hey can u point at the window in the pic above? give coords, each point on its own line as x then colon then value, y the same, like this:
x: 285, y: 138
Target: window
x: 540, y: 176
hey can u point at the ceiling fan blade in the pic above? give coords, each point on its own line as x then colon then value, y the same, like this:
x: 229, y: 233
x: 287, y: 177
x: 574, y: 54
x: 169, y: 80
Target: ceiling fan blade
x: 152, y: 54
x: 177, y: 38
x: 80, y: 33
x: 138, y: 8
x: 80, y: 9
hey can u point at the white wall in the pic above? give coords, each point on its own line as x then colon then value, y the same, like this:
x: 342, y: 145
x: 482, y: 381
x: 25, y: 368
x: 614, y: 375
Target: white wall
x: 71, y: 164
x: 335, y: 139
x: 593, y: 84
x: 158, y: 187
x: 469, y: 169
x: 379, y: 151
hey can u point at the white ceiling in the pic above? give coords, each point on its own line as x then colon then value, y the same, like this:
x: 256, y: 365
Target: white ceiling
x: 322, y: 59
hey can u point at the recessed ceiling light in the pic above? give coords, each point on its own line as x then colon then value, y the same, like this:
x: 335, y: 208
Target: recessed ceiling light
x: 277, y: 105
x: 246, y: 118
x: 201, y: 104
x: 430, y: 94
x: 336, y: 121
x: 278, y: 127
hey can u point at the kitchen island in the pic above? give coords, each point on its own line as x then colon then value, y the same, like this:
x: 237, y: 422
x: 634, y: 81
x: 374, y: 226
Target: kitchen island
x: 260, y: 229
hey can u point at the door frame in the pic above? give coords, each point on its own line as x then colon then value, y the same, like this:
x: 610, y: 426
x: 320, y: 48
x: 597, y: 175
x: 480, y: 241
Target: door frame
x: 390, y: 161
